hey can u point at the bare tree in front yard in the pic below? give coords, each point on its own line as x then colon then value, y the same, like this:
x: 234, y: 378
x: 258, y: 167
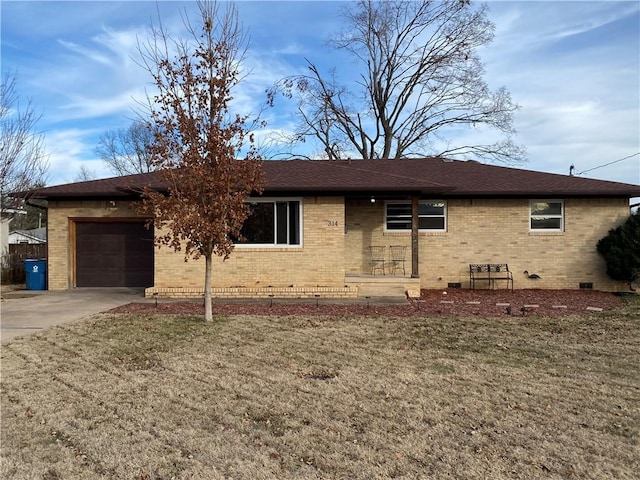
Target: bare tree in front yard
x: 419, y: 85
x: 198, y: 141
x: 23, y: 162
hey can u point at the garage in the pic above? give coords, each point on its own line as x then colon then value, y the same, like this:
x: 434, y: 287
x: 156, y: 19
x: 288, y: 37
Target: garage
x: 114, y: 254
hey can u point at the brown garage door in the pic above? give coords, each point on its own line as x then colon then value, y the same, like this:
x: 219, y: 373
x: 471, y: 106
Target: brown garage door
x: 118, y: 254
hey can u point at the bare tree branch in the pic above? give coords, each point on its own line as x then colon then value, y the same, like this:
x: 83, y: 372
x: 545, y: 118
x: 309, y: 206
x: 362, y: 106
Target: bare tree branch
x: 84, y: 174
x: 23, y: 162
x: 420, y: 78
x: 126, y: 151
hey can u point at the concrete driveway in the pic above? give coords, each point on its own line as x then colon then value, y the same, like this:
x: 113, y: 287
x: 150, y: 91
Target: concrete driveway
x: 23, y: 312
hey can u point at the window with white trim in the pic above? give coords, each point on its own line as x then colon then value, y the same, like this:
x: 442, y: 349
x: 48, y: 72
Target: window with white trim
x: 432, y: 216
x: 273, y: 222
x: 546, y: 215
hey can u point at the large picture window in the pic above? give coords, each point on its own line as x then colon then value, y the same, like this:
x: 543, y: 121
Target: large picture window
x: 547, y: 215
x: 432, y: 216
x: 273, y: 222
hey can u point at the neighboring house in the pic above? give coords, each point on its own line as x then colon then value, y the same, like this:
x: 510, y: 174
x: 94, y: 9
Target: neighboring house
x: 32, y: 237
x: 6, y: 215
x: 4, y: 234
x: 312, y: 227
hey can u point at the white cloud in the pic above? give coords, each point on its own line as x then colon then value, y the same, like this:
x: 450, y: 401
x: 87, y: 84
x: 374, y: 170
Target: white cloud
x: 576, y: 76
x: 69, y: 150
x: 526, y: 26
x: 118, y: 103
x: 86, y: 53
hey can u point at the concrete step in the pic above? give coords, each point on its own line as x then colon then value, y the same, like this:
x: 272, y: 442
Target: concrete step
x: 381, y: 290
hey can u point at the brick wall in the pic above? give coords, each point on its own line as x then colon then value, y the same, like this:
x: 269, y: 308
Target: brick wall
x: 496, y: 231
x: 59, y: 237
x: 317, y: 263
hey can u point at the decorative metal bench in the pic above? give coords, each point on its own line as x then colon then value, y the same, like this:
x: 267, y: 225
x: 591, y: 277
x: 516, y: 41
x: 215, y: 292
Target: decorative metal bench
x: 490, y: 272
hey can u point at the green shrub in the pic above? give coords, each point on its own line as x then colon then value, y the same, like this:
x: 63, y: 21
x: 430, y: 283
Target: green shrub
x: 621, y: 251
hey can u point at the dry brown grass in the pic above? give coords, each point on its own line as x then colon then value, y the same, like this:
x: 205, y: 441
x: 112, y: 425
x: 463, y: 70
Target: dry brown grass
x: 251, y: 397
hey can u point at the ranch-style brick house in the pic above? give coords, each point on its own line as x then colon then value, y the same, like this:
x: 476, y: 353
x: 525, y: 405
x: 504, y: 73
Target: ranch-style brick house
x: 312, y: 228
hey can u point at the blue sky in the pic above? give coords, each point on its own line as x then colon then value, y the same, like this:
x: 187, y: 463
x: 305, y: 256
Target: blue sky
x: 573, y: 67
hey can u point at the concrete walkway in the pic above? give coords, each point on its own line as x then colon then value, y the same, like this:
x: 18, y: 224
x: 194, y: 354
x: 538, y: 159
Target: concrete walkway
x: 23, y: 312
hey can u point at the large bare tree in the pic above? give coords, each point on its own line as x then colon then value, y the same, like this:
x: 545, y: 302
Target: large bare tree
x: 198, y: 142
x: 23, y: 162
x: 126, y: 150
x: 420, y: 80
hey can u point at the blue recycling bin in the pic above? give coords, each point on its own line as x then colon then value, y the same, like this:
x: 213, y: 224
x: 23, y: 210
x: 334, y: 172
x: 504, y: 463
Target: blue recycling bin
x: 36, y: 271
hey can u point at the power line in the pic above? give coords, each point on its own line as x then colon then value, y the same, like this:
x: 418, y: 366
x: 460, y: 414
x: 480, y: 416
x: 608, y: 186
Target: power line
x: 610, y: 163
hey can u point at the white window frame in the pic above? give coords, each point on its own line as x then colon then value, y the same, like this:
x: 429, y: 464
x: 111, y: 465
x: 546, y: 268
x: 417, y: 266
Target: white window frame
x: 533, y: 216
x: 405, y: 202
x: 275, y: 200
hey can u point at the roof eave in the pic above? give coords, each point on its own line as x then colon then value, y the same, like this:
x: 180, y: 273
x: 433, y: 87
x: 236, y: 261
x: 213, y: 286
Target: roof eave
x: 87, y: 196
x: 546, y: 194
x: 356, y: 190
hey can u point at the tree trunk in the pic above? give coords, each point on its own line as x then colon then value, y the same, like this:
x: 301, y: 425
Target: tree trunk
x: 208, y: 307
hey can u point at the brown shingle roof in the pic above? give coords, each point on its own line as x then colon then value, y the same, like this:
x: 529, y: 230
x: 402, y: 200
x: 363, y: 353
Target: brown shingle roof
x: 427, y: 176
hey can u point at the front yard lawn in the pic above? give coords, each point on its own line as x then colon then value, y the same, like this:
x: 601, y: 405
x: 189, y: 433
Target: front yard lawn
x: 122, y: 396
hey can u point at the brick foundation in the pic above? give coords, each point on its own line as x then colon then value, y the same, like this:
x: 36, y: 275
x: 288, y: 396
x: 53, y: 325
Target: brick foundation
x: 264, y: 292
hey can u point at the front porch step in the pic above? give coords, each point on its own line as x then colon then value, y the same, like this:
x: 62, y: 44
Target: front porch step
x: 382, y: 286
x: 381, y: 290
